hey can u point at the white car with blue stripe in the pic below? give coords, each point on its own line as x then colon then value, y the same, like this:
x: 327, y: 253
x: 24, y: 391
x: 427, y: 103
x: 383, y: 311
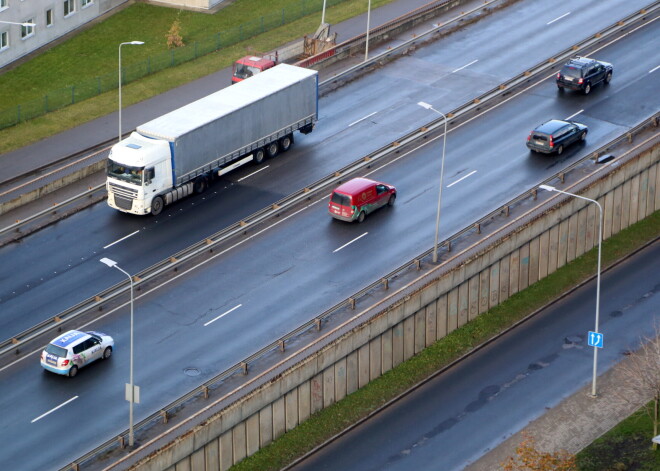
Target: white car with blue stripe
x: 69, y: 352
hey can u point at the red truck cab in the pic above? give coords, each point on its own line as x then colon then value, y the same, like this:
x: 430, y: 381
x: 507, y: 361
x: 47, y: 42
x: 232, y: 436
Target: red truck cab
x: 249, y: 65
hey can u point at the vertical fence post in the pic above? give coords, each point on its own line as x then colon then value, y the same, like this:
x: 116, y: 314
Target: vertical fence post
x: 18, y: 114
x: 148, y: 65
x: 283, y: 16
x: 46, y: 103
x: 73, y: 94
x: 218, y: 42
x: 262, y: 24
x: 98, y: 85
x: 171, y: 57
x: 195, y: 49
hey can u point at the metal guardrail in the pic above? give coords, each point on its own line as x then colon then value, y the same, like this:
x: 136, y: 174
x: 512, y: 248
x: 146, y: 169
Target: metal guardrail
x: 303, y: 194
x: 318, y: 321
x: 242, y: 367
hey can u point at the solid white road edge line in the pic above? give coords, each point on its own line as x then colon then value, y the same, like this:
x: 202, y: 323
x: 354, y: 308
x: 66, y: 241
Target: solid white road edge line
x: 654, y: 69
x: 125, y: 237
x: 222, y: 315
x: 54, y: 409
x: 349, y: 243
x: 462, y: 178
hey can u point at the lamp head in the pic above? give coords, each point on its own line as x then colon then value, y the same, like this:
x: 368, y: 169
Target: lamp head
x: 547, y: 187
x: 108, y: 262
x: 424, y: 105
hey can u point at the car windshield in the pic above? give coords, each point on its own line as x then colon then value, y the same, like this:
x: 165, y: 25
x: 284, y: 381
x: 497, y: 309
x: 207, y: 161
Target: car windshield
x: 340, y: 199
x: 125, y: 173
x: 55, y: 350
x: 570, y: 71
x: 244, y: 71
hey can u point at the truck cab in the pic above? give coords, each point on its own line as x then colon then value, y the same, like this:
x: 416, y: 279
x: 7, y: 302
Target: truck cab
x: 138, y: 170
x: 248, y: 66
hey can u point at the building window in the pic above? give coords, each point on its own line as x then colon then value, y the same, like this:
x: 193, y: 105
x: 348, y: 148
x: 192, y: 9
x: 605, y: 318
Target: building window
x: 3, y: 4
x: 86, y: 3
x: 49, y: 17
x: 27, y: 31
x: 4, y: 40
x: 69, y: 7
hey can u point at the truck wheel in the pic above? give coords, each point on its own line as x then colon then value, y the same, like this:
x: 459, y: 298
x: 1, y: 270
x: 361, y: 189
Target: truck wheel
x: 587, y: 89
x: 608, y: 77
x: 272, y: 149
x: 285, y: 143
x: 560, y: 149
x: 201, y: 184
x: 583, y: 136
x: 361, y: 216
x: 259, y: 156
x: 156, y: 206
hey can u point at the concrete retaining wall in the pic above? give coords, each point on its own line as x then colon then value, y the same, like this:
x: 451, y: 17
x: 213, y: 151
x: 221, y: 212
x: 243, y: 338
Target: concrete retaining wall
x: 519, y: 257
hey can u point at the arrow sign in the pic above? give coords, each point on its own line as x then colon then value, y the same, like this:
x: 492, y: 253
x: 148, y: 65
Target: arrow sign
x: 595, y: 339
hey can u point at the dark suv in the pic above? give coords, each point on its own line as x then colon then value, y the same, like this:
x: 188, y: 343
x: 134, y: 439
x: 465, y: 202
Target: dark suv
x: 555, y: 135
x: 582, y: 73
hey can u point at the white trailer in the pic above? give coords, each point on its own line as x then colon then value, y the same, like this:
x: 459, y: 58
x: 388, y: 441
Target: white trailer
x: 180, y: 152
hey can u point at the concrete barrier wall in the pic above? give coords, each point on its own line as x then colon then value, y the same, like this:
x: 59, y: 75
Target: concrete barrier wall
x: 519, y: 257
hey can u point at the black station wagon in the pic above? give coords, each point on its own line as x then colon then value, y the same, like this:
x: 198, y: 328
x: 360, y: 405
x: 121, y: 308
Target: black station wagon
x: 555, y: 135
x: 582, y: 73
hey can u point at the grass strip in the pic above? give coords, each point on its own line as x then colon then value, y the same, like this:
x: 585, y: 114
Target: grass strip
x: 625, y: 447
x: 54, y: 68
x: 332, y: 420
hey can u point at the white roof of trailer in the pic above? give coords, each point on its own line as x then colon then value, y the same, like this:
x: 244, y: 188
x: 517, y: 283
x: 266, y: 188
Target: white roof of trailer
x: 212, y: 107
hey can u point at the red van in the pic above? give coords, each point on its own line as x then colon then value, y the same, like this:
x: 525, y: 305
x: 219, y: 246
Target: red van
x: 358, y: 197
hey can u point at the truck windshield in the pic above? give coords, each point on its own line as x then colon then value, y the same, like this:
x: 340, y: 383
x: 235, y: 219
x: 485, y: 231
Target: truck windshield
x: 244, y: 71
x: 125, y: 173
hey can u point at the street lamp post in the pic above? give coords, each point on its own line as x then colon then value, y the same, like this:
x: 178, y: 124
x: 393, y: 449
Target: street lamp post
x: 442, y: 173
x: 366, y: 48
x: 131, y: 395
x: 122, y: 44
x: 600, y: 240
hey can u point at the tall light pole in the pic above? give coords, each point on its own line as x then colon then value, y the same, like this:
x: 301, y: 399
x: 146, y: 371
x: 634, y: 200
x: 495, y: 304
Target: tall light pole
x: 600, y: 241
x: 442, y: 173
x: 323, y: 14
x: 366, y: 48
x: 122, y: 44
x: 131, y: 388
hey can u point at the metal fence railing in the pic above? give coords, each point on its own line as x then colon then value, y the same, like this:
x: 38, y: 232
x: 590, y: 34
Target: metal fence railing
x: 85, y: 89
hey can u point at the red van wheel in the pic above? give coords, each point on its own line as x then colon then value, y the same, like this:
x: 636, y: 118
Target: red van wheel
x: 361, y: 216
x: 392, y: 199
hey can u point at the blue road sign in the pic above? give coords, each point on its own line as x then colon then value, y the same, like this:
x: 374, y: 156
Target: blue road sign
x: 595, y: 339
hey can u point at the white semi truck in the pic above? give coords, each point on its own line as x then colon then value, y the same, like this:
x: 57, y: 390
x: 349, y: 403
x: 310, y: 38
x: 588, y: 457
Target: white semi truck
x: 180, y: 152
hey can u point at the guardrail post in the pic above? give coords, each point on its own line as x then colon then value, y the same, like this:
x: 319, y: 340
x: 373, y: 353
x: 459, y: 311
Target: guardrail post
x: 244, y: 365
x: 317, y: 321
x: 562, y: 177
x: 477, y: 226
x: 206, y: 391
x: 122, y: 443
x: 163, y: 414
x: 281, y: 342
x: 448, y: 245
x: 386, y: 283
x: 351, y: 302
x: 75, y: 467
x: 654, y: 121
x: 630, y: 138
x: 418, y: 263
x: 506, y: 210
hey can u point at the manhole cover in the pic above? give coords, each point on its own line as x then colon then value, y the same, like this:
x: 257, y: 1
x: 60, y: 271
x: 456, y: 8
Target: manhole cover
x: 191, y: 371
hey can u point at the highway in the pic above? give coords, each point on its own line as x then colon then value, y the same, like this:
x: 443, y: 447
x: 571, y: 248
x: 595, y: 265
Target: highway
x: 459, y: 415
x: 295, y: 269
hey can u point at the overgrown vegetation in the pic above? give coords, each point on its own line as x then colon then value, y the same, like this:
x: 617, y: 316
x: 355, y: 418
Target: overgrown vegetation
x: 328, y: 422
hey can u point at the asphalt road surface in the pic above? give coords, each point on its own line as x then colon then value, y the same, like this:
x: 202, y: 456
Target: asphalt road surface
x: 294, y: 270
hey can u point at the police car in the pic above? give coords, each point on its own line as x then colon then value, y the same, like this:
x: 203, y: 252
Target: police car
x: 69, y: 352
